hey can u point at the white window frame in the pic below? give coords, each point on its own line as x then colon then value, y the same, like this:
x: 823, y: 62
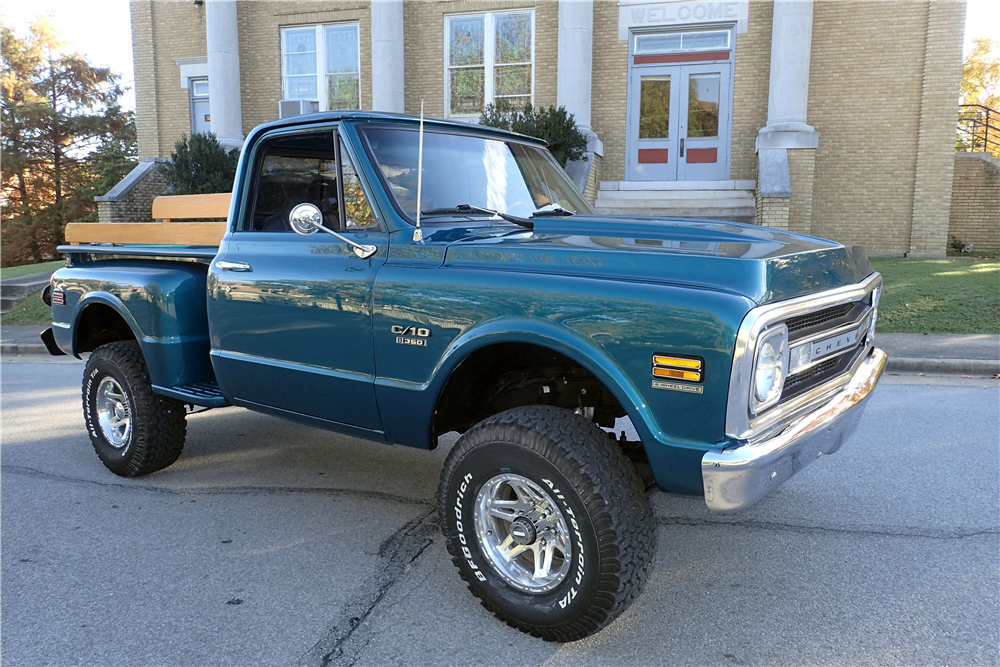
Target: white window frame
x: 489, y: 53
x: 321, y: 72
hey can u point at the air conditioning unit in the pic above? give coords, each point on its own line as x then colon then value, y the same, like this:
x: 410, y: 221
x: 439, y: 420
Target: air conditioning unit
x: 289, y: 108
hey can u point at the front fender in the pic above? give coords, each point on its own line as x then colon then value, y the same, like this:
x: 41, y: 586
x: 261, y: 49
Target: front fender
x: 558, y: 339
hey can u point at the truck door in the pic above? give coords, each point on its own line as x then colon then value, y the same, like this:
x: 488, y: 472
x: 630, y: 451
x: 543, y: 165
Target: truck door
x: 291, y: 315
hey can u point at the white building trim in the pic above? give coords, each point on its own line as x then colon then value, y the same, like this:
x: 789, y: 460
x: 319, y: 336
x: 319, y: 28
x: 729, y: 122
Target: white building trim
x: 225, y: 103
x: 388, y: 56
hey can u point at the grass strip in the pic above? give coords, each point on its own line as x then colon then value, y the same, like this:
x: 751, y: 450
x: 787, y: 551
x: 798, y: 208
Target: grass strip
x: 947, y: 296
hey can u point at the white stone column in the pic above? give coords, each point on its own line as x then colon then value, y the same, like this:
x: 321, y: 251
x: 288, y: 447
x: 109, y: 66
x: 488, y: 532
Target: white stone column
x: 225, y: 106
x: 388, y: 56
x: 575, y: 65
x: 788, y: 92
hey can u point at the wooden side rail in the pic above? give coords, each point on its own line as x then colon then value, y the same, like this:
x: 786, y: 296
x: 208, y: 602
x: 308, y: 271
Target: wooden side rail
x: 191, y: 207
x: 146, y: 233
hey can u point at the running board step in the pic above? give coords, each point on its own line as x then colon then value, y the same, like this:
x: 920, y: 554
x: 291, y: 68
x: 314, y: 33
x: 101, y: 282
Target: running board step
x: 206, y: 394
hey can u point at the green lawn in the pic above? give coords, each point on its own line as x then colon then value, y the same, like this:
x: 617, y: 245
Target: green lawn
x: 30, y: 269
x: 30, y: 311
x: 960, y: 296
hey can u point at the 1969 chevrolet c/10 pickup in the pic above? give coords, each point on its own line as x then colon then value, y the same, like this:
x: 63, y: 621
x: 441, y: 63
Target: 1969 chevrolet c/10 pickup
x: 510, y: 314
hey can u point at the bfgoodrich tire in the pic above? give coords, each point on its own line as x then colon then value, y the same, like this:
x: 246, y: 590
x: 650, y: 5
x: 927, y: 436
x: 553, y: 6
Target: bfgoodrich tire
x: 547, y: 521
x: 134, y: 431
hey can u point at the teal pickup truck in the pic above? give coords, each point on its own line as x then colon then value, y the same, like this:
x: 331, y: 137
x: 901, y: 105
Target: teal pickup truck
x: 356, y: 292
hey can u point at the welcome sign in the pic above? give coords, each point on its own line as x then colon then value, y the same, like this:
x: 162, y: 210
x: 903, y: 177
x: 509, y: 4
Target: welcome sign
x: 650, y: 15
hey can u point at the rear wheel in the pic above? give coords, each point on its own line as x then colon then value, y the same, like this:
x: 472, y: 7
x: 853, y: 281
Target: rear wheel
x: 547, y: 521
x: 134, y: 431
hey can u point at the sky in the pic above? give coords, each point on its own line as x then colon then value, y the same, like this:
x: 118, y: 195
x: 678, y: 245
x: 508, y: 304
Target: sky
x: 101, y: 30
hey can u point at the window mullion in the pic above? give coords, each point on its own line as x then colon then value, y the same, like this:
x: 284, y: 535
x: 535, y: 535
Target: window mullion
x: 488, y: 48
x: 320, y: 69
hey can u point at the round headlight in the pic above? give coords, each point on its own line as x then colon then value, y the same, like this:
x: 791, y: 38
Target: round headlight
x: 768, y: 372
x: 770, y: 369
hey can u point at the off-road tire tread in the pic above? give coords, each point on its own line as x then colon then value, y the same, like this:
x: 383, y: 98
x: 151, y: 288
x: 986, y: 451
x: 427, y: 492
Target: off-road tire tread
x: 159, y: 425
x: 610, y: 488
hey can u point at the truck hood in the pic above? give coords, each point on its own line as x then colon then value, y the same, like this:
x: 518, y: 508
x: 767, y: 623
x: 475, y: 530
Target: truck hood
x: 760, y: 263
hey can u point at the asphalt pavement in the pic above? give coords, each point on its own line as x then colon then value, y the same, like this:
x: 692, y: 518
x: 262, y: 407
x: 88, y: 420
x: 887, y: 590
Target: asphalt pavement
x: 270, y: 543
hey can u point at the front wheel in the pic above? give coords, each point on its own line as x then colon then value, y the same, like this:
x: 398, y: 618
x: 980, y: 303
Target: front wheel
x: 547, y: 521
x: 134, y: 431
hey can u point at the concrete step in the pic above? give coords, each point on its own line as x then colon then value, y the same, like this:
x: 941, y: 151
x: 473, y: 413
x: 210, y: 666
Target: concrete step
x: 676, y: 195
x: 15, y: 290
x: 734, y: 205
x: 24, y: 285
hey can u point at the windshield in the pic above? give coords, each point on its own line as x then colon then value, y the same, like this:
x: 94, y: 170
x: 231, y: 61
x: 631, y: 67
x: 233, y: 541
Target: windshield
x: 462, y: 170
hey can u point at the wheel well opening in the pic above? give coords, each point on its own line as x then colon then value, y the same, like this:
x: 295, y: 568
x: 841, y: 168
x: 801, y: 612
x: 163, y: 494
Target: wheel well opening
x: 98, y: 325
x: 510, y: 375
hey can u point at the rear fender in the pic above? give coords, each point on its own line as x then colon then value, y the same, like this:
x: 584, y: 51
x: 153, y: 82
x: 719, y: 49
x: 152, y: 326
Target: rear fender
x: 172, y: 360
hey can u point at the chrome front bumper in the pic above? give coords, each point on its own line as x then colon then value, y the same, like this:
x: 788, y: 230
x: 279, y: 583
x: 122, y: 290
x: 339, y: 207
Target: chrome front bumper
x: 737, y: 478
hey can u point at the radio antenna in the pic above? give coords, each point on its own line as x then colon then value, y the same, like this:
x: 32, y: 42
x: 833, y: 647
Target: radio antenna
x: 418, y: 234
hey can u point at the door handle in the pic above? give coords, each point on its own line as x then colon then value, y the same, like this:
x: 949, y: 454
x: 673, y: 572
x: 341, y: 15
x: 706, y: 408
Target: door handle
x: 234, y: 266
x: 682, y: 147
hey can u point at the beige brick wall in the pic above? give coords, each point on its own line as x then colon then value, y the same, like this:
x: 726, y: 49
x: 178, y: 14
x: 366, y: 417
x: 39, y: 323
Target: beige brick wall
x: 751, y: 74
x: 424, y: 26
x: 174, y: 29
x: 975, y: 201
x: 866, y: 89
x: 147, y: 129
x: 936, y: 139
x: 608, y: 89
x: 260, y: 49
x: 801, y: 169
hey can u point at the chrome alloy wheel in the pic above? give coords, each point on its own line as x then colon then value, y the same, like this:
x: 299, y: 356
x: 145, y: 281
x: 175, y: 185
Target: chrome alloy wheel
x: 523, y: 533
x: 113, y: 413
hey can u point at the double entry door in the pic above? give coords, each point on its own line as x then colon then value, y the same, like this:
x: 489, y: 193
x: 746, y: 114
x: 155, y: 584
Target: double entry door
x: 679, y: 123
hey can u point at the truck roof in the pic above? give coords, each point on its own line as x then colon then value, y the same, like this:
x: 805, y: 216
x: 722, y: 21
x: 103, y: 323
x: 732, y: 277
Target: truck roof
x: 327, y: 116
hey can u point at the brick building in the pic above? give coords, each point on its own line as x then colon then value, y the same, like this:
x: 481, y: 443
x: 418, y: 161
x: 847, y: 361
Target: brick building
x: 834, y: 118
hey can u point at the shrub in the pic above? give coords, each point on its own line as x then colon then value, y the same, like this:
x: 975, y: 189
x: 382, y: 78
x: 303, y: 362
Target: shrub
x: 556, y: 126
x: 201, y: 165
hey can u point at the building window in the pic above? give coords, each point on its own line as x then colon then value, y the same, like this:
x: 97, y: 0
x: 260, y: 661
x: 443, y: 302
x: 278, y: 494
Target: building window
x: 488, y: 57
x: 321, y: 63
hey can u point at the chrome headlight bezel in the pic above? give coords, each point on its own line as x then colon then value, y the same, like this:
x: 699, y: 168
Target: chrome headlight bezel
x: 741, y: 422
x: 771, y: 357
x: 876, y: 297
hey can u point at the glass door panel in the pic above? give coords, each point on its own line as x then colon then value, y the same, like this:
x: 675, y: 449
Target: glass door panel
x: 705, y: 129
x: 652, y: 125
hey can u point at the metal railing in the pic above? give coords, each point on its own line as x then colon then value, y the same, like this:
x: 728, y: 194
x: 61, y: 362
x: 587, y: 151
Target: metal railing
x: 978, y: 129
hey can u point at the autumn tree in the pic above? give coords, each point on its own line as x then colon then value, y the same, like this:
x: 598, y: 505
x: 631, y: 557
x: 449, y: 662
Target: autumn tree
x: 981, y: 85
x: 62, y: 124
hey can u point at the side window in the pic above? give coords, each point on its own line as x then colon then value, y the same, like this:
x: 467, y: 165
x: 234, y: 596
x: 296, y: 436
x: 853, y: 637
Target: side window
x: 292, y: 170
x: 357, y: 211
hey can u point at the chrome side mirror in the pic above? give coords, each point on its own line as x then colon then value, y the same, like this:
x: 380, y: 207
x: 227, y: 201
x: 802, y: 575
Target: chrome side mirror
x: 306, y: 218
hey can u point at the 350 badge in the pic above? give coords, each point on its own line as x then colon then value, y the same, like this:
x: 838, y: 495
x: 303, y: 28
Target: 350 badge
x: 411, y: 335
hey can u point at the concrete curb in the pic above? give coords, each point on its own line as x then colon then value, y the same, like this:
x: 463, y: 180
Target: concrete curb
x: 985, y: 367
x: 23, y: 349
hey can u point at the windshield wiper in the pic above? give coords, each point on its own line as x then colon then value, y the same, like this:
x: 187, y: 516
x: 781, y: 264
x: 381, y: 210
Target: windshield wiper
x: 551, y: 212
x: 469, y: 208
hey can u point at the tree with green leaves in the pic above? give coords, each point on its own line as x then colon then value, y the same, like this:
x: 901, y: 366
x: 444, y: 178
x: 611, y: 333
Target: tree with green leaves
x: 201, y: 165
x: 57, y: 109
x: 556, y: 126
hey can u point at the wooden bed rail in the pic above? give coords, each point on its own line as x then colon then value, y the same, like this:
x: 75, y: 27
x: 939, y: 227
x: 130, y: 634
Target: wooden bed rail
x: 192, y: 209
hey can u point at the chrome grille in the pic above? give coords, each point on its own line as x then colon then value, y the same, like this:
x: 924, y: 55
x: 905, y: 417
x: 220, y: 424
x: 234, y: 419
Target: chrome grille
x: 794, y: 381
x: 819, y: 317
